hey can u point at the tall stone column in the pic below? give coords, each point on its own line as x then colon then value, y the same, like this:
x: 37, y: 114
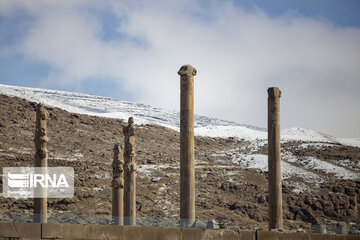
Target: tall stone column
x: 187, y: 172
x: 117, y: 185
x: 130, y: 174
x: 41, y: 160
x: 274, y: 160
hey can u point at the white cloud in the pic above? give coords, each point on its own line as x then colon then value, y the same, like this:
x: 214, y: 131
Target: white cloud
x: 238, y: 55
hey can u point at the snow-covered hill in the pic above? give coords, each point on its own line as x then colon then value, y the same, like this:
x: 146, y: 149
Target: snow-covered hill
x: 299, y: 172
x: 144, y: 114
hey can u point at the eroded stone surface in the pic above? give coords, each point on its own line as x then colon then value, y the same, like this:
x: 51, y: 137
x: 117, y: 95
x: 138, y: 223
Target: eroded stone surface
x: 41, y: 160
x: 130, y: 174
x: 117, y: 185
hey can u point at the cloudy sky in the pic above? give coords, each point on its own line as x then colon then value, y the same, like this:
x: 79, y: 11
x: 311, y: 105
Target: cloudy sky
x: 132, y: 50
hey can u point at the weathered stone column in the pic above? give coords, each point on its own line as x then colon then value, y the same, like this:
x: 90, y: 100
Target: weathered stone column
x: 342, y: 229
x: 41, y: 160
x: 130, y: 174
x: 187, y: 172
x: 321, y: 228
x: 117, y: 185
x: 274, y: 160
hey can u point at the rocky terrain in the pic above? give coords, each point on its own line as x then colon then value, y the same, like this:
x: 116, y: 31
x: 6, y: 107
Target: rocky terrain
x: 229, y: 188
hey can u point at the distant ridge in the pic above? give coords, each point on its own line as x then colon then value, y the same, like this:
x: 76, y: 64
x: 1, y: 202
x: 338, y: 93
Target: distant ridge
x: 145, y: 114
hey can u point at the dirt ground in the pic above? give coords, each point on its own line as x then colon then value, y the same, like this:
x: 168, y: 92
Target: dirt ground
x: 233, y: 196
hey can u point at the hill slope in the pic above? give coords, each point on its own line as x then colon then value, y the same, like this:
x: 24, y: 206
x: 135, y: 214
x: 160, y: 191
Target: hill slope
x: 144, y: 114
x: 321, y: 178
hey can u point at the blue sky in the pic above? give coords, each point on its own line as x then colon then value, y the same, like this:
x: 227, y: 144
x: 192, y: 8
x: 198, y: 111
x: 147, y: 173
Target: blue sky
x: 339, y: 12
x: 131, y: 50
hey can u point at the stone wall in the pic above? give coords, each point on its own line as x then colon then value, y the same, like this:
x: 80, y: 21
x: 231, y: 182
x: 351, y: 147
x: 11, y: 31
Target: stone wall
x: 9, y: 230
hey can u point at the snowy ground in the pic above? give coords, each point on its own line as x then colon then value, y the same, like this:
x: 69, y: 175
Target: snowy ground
x: 296, y: 171
x: 144, y: 114
x: 304, y: 168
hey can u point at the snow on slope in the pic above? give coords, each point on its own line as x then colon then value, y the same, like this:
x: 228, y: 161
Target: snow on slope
x: 105, y: 107
x: 299, y: 173
x: 144, y: 114
x: 293, y: 168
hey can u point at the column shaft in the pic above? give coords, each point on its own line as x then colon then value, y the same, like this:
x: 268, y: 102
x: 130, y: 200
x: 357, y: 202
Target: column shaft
x: 41, y: 160
x: 187, y: 172
x: 274, y: 160
x: 117, y: 185
x: 130, y: 174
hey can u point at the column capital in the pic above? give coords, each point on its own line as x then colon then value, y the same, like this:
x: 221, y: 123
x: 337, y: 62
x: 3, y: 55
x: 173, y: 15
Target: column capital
x: 187, y: 69
x: 41, y: 110
x: 274, y: 92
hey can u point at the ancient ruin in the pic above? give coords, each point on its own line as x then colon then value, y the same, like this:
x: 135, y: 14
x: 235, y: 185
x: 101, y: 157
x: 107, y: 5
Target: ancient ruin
x: 187, y: 172
x: 130, y: 174
x: 228, y: 193
x: 117, y: 185
x: 41, y: 160
x: 274, y: 160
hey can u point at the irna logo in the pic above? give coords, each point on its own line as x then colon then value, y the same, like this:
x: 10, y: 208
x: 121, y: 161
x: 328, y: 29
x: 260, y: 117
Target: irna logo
x: 34, y: 182
x: 37, y: 180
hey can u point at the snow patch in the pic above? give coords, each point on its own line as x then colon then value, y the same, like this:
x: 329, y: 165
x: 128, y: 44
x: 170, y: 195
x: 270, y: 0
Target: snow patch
x: 98, y: 189
x: 149, y: 169
x: 313, y: 163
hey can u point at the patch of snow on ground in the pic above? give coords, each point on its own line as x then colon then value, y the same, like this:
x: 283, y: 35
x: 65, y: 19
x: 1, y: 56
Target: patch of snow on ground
x: 8, y: 155
x: 255, y: 145
x: 98, y: 189
x: 290, y: 170
x: 313, y: 163
x: 260, y: 162
x: 316, y: 145
x: 350, y: 164
x: 302, y: 134
x: 78, y: 155
x: 71, y: 158
x: 148, y: 169
x: 298, y: 186
x: 239, y: 132
x: 162, y: 188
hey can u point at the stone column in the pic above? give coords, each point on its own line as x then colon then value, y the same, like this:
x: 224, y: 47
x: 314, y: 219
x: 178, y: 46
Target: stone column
x: 274, y: 160
x: 321, y: 228
x: 342, y: 229
x: 187, y: 172
x: 130, y: 174
x: 41, y: 160
x: 117, y: 185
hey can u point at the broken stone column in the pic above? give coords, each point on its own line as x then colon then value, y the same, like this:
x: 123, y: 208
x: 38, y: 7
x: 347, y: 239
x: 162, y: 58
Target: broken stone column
x: 117, y: 185
x: 274, y: 160
x: 342, y: 229
x: 41, y: 160
x: 320, y: 228
x: 187, y: 172
x: 130, y: 174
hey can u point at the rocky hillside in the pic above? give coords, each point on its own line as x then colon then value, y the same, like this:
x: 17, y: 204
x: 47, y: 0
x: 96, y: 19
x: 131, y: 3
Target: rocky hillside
x: 321, y: 179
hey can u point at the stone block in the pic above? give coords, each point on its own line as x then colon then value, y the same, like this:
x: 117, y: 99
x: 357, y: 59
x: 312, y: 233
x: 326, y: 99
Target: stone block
x: 222, y: 234
x: 78, y: 231
x: 192, y: 233
x: 20, y: 230
x: 247, y: 235
x: 315, y: 236
x: 272, y: 235
x: 155, y: 233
